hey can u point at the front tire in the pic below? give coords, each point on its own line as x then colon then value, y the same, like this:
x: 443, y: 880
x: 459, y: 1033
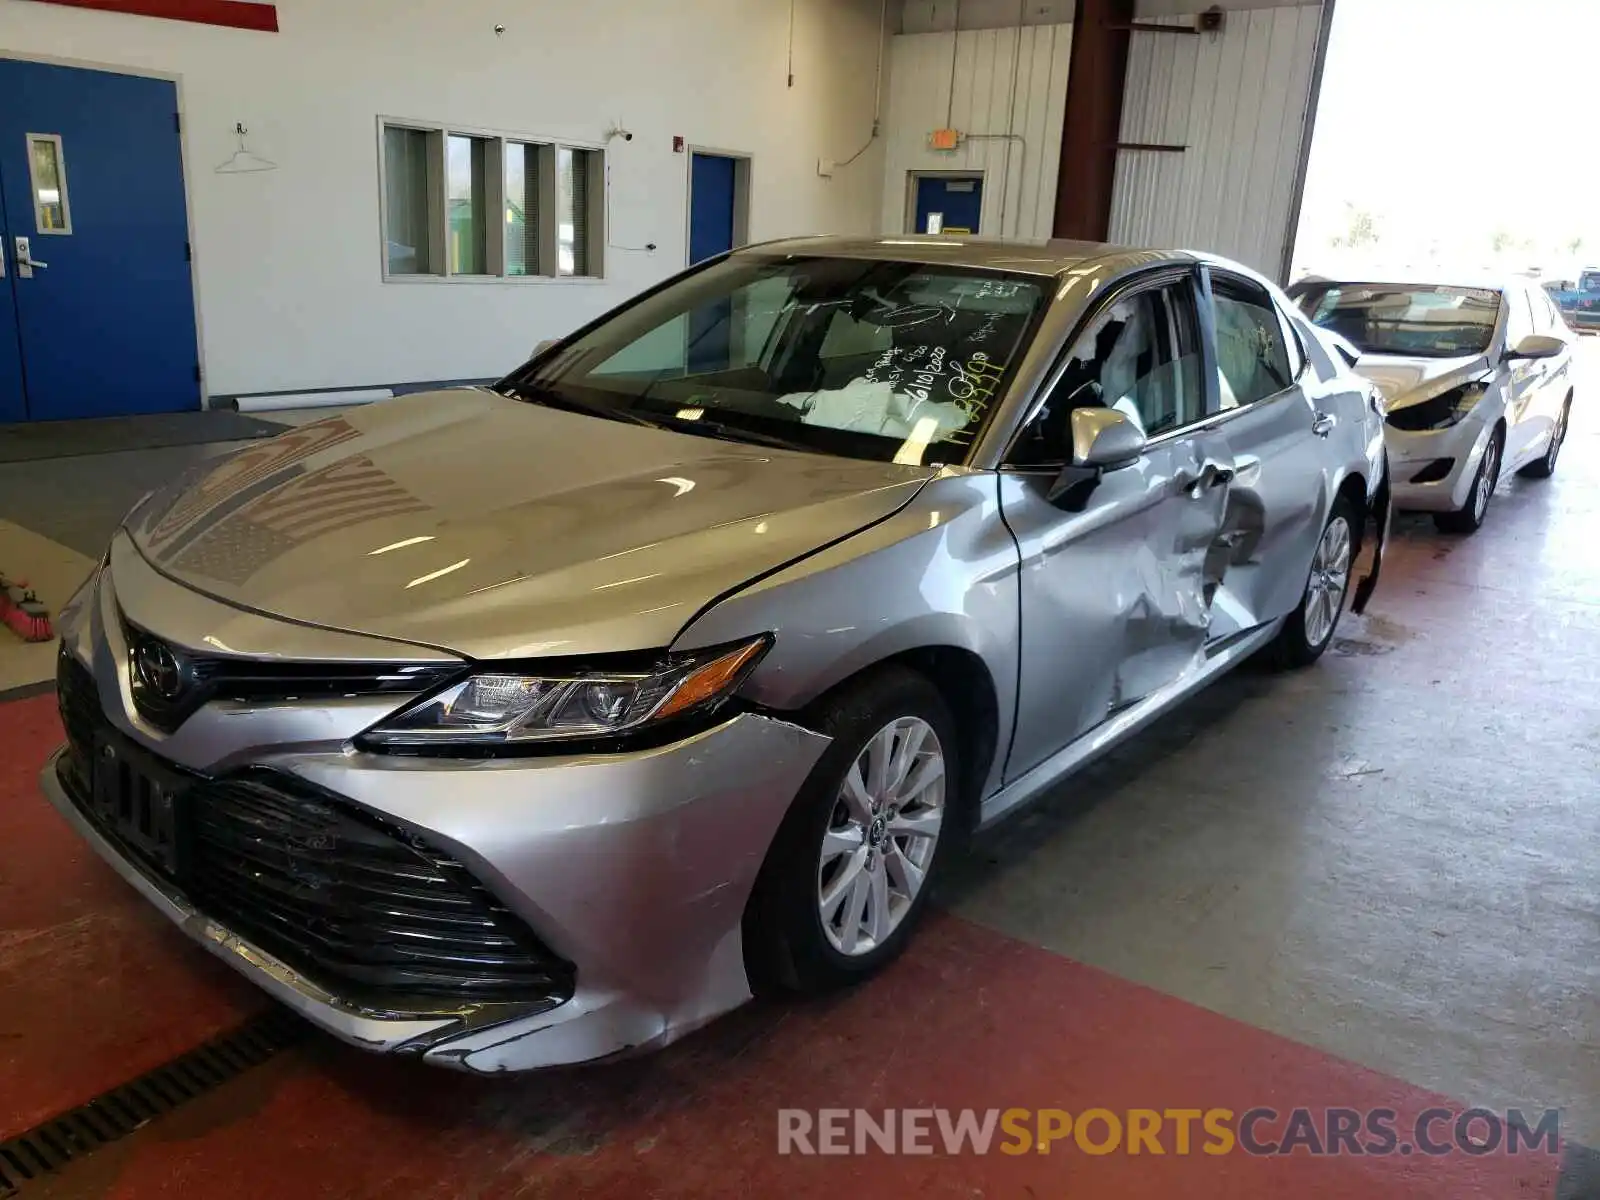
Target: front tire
x: 848, y: 875
x: 1469, y: 517
x: 1309, y: 631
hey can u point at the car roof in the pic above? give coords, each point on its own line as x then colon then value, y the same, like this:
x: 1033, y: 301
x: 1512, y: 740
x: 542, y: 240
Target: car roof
x: 1051, y: 257
x: 1496, y: 283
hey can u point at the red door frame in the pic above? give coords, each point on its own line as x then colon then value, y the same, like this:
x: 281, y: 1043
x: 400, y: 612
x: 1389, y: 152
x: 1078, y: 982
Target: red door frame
x: 237, y: 14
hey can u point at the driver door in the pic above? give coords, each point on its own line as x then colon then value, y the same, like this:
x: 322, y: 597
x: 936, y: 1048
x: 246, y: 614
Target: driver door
x: 1117, y: 584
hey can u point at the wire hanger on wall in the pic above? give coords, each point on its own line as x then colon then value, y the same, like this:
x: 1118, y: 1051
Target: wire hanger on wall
x: 244, y: 161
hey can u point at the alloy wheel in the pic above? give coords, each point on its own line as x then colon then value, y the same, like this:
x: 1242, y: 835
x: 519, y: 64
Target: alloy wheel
x: 1330, y: 578
x: 1488, y: 476
x: 881, y: 837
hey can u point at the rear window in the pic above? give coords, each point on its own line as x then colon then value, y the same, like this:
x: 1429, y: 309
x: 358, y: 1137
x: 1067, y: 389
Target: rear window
x: 1430, y: 322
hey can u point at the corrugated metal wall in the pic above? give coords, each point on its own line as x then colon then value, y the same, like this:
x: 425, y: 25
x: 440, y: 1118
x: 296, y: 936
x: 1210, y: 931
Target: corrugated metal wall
x: 1019, y: 173
x: 1238, y: 102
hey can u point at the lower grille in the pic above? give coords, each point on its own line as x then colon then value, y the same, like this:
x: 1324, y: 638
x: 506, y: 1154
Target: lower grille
x: 79, y: 702
x: 378, y: 915
x: 1436, y: 470
x: 368, y: 912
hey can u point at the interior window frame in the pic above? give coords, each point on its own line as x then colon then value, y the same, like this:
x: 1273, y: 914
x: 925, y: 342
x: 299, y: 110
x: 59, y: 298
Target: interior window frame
x: 1167, y: 275
x: 1263, y: 298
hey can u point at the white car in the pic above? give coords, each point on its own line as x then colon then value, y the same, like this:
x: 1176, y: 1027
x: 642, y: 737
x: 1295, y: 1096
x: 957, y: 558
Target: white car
x: 1477, y: 381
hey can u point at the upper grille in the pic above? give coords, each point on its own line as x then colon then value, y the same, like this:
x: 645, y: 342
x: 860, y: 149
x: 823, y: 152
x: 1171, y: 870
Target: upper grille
x: 368, y: 911
x: 204, y: 678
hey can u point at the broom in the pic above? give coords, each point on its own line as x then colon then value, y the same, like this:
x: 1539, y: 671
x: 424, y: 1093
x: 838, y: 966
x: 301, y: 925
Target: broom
x: 21, y: 611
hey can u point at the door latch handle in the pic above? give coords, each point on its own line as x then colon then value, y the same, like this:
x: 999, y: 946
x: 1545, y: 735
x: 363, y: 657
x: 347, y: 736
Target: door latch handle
x: 1212, y: 475
x: 1324, y: 425
x: 25, y: 260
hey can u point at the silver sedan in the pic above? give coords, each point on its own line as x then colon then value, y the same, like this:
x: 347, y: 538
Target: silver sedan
x: 1477, y: 380
x: 539, y: 723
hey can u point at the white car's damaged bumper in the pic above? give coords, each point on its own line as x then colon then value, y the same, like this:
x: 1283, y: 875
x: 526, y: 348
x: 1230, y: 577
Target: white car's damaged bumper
x: 1433, y: 470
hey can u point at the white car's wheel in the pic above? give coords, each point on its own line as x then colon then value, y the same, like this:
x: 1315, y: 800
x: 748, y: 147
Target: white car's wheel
x: 1469, y: 517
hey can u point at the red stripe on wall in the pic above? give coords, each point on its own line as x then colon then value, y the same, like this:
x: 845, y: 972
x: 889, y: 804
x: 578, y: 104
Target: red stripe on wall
x: 238, y: 14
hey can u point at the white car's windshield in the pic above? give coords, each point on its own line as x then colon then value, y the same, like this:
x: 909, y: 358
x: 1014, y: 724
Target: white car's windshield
x: 864, y: 358
x: 1430, y: 322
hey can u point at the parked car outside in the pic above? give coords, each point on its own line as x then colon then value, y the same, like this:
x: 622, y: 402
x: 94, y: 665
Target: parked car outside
x: 540, y: 723
x: 1478, y: 382
x: 1579, y: 301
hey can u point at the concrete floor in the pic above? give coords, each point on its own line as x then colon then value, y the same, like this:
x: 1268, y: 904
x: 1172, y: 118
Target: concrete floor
x: 1371, y: 883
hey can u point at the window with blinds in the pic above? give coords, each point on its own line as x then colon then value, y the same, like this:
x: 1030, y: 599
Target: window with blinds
x: 524, y: 181
x: 465, y: 203
x: 581, y: 183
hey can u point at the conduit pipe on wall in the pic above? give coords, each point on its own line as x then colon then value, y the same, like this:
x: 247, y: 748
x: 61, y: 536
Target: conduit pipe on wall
x: 877, y: 98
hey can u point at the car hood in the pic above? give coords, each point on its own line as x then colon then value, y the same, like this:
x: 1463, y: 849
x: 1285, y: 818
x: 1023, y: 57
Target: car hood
x: 497, y: 529
x: 1405, y: 381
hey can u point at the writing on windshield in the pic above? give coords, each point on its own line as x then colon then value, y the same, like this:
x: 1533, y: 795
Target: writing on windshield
x: 862, y: 357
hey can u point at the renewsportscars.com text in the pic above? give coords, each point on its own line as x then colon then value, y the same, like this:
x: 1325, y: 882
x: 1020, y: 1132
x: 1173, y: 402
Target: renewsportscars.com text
x: 1261, y: 1132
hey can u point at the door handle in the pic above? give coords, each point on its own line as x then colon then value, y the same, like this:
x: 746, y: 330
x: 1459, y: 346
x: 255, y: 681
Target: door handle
x: 1212, y: 475
x: 1324, y: 425
x: 25, y: 261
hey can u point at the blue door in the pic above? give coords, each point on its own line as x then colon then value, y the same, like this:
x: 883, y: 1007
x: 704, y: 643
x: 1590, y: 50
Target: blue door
x: 91, y: 175
x: 712, y: 197
x: 947, y: 204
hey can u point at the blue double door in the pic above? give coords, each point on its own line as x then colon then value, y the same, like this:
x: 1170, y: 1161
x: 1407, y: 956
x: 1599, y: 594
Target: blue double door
x: 96, y: 298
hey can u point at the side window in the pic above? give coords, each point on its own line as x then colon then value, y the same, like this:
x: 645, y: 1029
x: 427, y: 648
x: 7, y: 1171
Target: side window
x: 1519, y: 317
x: 1140, y: 354
x: 1252, y: 359
x: 1545, y: 318
x: 1296, y: 352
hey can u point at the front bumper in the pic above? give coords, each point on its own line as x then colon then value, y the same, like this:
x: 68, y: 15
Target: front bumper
x: 633, y: 867
x: 1414, y: 454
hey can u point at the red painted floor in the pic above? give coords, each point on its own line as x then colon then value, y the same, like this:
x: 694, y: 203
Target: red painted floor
x: 94, y: 990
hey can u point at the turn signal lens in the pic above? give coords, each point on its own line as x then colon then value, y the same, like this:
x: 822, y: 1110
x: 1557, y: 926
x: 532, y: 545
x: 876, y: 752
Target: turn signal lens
x: 710, y: 681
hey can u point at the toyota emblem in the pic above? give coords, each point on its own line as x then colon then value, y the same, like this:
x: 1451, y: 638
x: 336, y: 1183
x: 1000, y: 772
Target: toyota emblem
x: 158, y: 670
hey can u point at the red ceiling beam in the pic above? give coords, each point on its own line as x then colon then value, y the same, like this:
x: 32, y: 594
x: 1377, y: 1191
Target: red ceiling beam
x: 236, y: 14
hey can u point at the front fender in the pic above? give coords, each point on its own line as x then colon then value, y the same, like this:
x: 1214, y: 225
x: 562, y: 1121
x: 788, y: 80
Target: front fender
x: 942, y: 573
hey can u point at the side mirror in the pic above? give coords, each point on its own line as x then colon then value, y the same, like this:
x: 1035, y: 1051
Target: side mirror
x: 543, y: 346
x: 1103, y: 439
x: 1537, y: 345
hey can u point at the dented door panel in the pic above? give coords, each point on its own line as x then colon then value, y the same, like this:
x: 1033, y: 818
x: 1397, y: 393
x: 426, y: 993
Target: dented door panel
x: 1277, y: 507
x: 1116, y: 599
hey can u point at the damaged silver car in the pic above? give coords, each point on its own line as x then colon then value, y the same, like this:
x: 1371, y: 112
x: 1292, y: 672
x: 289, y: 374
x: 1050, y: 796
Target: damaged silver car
x: 1477, y: 381
x: 539, y: 723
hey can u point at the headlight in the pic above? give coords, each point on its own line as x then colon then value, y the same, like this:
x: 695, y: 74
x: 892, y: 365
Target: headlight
x: 493, y: 708
x: 1441, y: 412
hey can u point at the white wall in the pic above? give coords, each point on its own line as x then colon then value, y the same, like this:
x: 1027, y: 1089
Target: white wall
x: 288, y: 263
x: 1019, y: 175
x: 1238, y: 101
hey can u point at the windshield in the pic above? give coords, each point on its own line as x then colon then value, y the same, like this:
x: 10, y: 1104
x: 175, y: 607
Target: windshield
x: 899, y: 362
x: 1429, y: 322
x: 1590, y: 282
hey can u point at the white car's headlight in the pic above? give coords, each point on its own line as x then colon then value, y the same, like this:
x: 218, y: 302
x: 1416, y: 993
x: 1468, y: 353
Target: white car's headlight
x: 500, y: 708
x: 1441, y: 412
